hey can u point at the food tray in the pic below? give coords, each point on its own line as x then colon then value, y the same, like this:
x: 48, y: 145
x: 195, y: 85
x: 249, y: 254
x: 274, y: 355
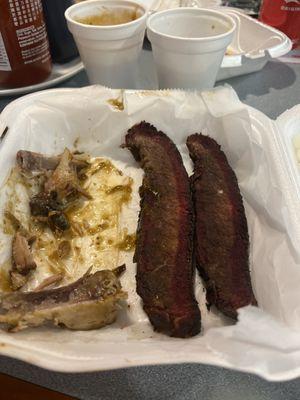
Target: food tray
x: 266, y: 340
x: 59, y: 74
x: 253, y: 45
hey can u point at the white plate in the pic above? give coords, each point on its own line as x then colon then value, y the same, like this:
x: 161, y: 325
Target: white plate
x: 59, y: 73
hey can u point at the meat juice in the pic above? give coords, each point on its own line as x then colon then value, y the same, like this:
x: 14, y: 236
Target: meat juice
x: 108, y: 17
x: 283, y: 15
x: 24, y: 49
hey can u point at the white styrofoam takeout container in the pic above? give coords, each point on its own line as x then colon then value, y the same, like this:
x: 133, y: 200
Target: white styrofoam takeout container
x: 253, y: 45
x: 289, y: 127
x: 266, y: 340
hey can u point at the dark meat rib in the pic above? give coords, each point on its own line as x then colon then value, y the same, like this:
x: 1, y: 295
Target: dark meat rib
x: 22, y: 261
x: 34, y: 162
x: 46, y: 207
x: 43, y: 203
x: 31, y: 161
x: 61, y: 187
x: 222, y: 241
x: 164, y: 237
x: 50, y: 281
x: 89, y: 303
x: 64, y: 179
x: 22, y: 257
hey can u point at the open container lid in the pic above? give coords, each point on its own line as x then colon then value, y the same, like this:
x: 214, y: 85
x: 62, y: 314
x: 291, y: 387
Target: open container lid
x: 254, y: 43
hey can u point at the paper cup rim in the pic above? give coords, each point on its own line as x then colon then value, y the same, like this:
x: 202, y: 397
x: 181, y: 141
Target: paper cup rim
x: 83, y: 4
x: 194, y: 11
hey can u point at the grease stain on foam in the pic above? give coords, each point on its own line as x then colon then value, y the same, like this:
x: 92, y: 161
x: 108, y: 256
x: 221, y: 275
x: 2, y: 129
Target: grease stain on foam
x: 5, y: 278
x: 95, y: 238
x: 128, y: 241
x: 296, y: 145
x: 116, y: 103
x: 156, y: 93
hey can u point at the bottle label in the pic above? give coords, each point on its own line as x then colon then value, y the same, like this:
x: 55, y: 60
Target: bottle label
x: 24, y: 12
x: 294, y: 7
x: 33, y: 43
x: 30, y: 30
x: 287, y: 8
x: 4, y: 61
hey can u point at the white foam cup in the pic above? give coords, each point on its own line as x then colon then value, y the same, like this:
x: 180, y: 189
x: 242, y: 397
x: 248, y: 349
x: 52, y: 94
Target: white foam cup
x: 109, y: 52
x: 188, y: 46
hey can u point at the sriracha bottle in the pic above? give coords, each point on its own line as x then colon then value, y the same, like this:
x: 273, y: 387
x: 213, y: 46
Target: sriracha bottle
x: 24, y: 49
x: 283, y: 15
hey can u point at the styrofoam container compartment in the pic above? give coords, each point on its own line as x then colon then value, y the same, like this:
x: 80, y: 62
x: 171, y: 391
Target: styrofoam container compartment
x: 254, y: 43
x: 265, y: 340
x: 289, y: 135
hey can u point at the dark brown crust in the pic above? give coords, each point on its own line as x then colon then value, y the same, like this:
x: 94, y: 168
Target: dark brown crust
x: 222, y: 241
x: 164, y: 237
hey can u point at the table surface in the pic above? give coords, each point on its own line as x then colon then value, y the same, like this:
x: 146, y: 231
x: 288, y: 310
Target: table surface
x: 271, y: 90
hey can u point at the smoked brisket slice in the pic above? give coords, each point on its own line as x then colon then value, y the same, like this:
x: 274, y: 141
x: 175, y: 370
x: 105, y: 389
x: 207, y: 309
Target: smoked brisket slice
x: 165, y: 234
x: 222, y: 241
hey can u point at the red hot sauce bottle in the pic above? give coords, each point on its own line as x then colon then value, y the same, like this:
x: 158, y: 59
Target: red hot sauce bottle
x: 283, y: 15
x: 24, y: 48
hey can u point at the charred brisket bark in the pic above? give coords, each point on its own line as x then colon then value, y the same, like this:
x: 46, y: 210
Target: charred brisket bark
x: 164, y: 237
x: 222, y: 241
